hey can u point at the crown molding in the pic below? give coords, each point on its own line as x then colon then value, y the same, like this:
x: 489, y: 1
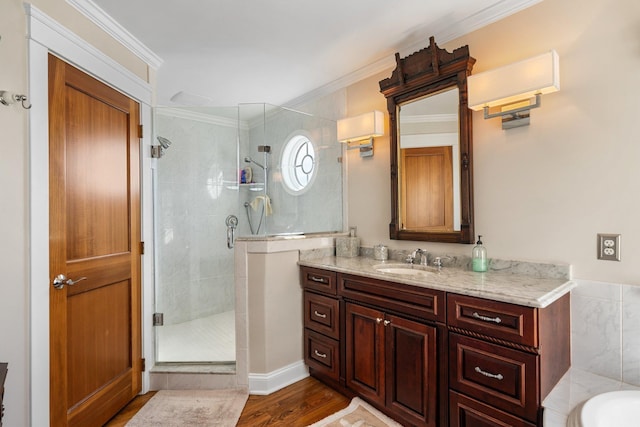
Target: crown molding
x: 198, y: 116
x: 109, y: 25
x: 443, y: 35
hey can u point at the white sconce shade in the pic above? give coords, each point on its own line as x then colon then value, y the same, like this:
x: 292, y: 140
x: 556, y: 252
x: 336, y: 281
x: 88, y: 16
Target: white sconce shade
x: 363, y: 127
x: 512, y: 83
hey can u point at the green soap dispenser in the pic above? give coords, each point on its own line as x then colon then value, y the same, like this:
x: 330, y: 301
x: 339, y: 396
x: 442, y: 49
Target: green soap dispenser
x: 479, y: 259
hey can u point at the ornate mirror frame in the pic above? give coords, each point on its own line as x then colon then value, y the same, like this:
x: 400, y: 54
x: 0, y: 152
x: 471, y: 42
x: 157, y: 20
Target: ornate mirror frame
x: 423, y: 73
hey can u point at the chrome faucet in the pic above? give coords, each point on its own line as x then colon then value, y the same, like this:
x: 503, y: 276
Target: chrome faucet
x: 437, y: 261
x: 418, y: 252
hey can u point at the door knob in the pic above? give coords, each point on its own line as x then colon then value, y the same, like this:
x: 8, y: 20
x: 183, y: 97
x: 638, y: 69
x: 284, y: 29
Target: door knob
x: 62, y: 280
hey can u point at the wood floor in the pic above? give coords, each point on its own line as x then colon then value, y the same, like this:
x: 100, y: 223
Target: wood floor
x: 298, y: 405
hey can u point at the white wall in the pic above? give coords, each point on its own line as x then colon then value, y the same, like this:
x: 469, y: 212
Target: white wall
x: 14, y: 333
x: 15, y: 297
x: 544, y: 191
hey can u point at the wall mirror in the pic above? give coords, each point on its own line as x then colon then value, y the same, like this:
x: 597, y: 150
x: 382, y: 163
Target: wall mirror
x: 431, y: 147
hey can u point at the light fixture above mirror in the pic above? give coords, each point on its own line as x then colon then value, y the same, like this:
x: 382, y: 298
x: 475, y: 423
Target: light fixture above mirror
x: 361, y: 128
x: 512, y: 88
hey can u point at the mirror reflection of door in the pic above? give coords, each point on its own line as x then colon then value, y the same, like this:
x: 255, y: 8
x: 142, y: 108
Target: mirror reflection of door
x: 429, y: 167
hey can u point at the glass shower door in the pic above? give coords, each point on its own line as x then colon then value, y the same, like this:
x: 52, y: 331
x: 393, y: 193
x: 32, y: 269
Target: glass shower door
x: 195, y: 191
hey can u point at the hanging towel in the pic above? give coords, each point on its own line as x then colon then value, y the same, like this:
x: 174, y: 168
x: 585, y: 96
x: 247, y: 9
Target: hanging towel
x: 267, y: 204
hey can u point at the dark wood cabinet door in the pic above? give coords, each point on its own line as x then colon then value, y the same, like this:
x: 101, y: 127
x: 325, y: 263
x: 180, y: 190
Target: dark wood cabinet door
x: 468, y: 412
x: 411, y: 370
x: 364, y: 348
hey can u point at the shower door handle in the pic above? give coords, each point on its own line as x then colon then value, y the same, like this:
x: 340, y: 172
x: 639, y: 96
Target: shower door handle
x: 232, y: 223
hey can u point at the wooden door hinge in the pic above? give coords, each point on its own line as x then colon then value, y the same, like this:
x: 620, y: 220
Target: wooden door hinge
x: 141, y: 248
x: 140, y: 131
x: 143, y: 365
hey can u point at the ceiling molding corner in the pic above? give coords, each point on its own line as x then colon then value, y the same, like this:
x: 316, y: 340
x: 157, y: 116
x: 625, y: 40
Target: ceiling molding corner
x: 104, y: 21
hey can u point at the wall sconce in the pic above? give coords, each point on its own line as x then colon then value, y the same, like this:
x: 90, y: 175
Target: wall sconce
x: 8, y: 98
x: 512, y: 88
x: 361, y: 128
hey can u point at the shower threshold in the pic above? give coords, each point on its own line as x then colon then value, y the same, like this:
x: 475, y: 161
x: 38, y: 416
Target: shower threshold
x: 196, y: 368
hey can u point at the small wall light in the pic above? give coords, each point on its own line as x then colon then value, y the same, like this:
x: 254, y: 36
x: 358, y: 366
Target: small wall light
x: 512, y: 88
x: 361, y: 128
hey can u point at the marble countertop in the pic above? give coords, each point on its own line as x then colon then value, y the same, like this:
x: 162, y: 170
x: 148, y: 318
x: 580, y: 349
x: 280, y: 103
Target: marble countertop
x: 527, y: 290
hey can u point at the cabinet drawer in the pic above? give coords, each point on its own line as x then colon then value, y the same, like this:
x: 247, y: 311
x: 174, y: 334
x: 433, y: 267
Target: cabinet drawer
x: 497, y: 375
x: 510, y: 322
x: 322, y: 314
x: 322, y: 354
x: 318, y: 280
x: 467, y: 412
x: 422, y: 303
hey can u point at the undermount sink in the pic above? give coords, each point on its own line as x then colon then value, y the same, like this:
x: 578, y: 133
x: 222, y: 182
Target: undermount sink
x: 405, y: 269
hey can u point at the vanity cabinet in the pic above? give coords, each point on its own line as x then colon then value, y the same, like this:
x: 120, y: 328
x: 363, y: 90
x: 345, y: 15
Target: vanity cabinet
x: 433, y: 358
x: 393, y: 342
x: 504, y: 359
x: 392, y: 361
x: 321, y: 322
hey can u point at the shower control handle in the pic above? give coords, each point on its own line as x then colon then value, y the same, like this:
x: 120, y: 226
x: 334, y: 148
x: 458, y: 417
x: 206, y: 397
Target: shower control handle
x: 231, y: 223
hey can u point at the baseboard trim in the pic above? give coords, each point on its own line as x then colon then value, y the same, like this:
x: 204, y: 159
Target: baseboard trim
x: 263, y: 384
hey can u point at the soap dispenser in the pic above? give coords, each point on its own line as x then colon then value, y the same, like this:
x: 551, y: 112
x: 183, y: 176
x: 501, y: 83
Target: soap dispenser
x: 479, y: 259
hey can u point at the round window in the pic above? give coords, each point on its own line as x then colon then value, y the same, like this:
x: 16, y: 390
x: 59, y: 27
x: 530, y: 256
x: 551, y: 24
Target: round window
x: 298, y: 164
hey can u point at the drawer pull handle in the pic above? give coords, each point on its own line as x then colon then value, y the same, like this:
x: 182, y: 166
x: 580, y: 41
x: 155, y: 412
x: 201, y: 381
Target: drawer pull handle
x: 317, y: 353
x: 322, y: 315
x: 317, y: 279
x: 489, y: 375
x: 486, y: 319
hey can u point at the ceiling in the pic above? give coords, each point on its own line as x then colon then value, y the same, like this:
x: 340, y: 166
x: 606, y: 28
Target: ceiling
x: 226, y: 52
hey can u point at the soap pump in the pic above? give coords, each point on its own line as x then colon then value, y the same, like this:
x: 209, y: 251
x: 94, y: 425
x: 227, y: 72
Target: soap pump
x: 479, y: 259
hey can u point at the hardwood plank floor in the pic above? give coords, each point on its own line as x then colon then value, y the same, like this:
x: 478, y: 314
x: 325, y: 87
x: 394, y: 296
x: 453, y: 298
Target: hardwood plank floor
x: 297, y: 405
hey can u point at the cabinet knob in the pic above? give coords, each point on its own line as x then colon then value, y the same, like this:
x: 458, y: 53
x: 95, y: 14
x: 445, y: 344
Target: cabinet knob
x: 387, y: 322
x: 378, y: 320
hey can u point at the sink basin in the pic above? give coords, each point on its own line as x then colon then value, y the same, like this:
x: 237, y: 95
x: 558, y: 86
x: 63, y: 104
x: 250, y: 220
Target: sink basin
x: 404, y: 269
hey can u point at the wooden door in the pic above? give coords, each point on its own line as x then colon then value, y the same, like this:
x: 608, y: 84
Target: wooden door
x: 365, y: 351
x: 411, y: 370
x: 427, y: 189
x: 94, y: 214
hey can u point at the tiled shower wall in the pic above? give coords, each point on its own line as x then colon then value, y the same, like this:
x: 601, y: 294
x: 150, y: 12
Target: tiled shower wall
x: 195, y: 191
x: 605, y: 330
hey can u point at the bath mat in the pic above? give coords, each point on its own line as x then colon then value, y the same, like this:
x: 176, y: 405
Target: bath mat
x: 358, y: 414
x: 203, y: 408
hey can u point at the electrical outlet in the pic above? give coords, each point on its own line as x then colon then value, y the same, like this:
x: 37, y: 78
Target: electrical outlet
x: 609, y: 247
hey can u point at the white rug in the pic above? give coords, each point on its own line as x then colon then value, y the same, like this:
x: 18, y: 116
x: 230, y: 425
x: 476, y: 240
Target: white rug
x: 202, y: 408
x: 358, y: 414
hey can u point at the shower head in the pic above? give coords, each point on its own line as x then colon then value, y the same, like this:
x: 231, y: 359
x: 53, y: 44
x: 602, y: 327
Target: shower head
x: 164, y: 142
x: 250, y: 160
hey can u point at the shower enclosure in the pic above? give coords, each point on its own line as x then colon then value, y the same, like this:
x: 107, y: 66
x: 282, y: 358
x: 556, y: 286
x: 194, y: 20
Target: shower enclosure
x: 222, y: 173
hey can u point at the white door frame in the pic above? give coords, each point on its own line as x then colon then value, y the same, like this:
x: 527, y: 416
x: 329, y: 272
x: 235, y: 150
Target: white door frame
x: 45, y: 36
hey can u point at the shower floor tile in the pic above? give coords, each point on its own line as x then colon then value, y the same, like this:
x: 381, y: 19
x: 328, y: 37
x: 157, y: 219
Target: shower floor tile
x: 208, y: 339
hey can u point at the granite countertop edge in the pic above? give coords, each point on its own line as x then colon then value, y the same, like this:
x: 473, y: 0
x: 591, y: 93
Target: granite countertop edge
x: 512, y: 288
